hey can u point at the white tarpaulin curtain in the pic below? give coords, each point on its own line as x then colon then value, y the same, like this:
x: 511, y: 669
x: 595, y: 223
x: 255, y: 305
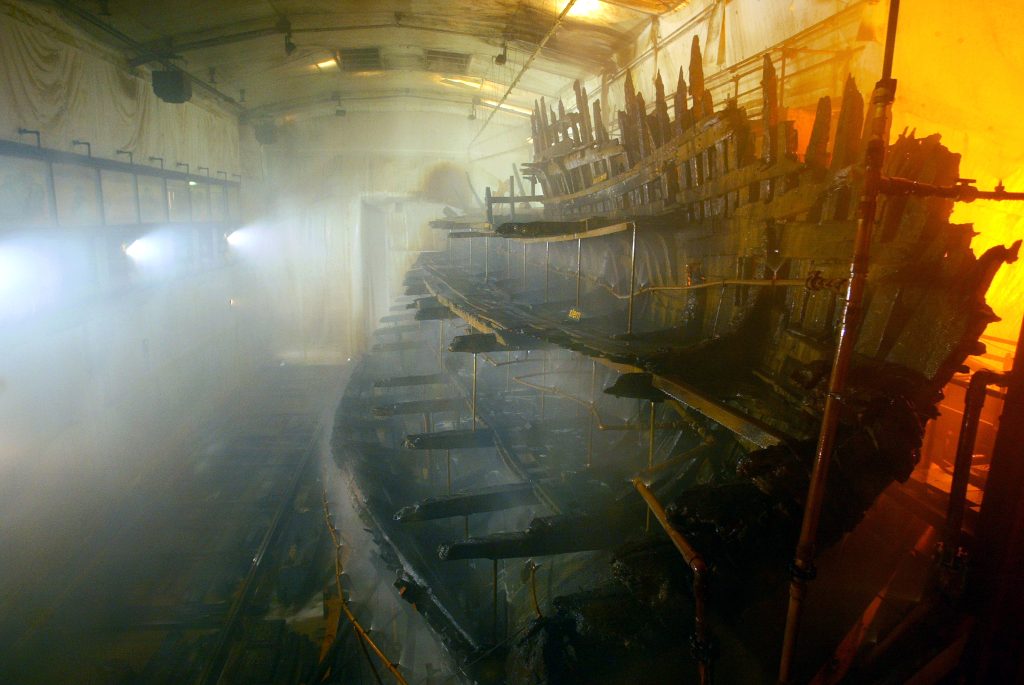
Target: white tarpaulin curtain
x: 67, y: 87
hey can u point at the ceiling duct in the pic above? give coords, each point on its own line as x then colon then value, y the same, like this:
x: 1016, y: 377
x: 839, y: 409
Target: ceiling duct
x: 444, y: 62
x: 361, y: 59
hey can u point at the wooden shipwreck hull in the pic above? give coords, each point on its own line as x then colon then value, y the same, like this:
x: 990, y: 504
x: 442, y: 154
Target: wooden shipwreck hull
x: 701, y: 265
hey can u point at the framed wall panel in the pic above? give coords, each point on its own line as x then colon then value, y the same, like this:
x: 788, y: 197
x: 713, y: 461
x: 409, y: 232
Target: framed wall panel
x: 119, y: 201
x: 24, y: 192
x: 218, y: 203
x: 152, y: 200
x: 179, y: 204
x: 78, y: 195
x: 199, y: 196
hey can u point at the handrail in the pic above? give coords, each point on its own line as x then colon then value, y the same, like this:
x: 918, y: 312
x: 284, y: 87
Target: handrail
x: 700, y: 639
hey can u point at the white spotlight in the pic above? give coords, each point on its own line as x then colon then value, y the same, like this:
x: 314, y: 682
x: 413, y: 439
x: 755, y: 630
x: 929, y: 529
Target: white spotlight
x: 141, y: 250
x: 236, y: 238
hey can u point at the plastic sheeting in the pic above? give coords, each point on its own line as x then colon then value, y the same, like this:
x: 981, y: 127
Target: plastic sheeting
x: 55, y: 80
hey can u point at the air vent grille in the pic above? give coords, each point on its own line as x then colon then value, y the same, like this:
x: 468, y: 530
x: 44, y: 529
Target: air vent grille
x: 361, y: 59
x: 444, y: 62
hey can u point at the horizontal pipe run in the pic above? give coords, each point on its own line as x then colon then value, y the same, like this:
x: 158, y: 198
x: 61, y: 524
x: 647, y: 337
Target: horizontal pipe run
x: 10, y: 148
x: 961, y: 192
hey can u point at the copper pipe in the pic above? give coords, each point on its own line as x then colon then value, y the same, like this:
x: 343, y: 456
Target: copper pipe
x: 678, y: 459
x: 365, y: 639
x: 533, y: 588
x: 961, y: 192
x: 803, y: 564
x: 699, y: 568
x: 974, y: 401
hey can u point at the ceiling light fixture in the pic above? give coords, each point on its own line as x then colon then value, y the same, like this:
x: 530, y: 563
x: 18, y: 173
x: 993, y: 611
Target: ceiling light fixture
x: 289, y: 45
x: 453, y: 81
x: 514, y: 109
x: 502, y: 56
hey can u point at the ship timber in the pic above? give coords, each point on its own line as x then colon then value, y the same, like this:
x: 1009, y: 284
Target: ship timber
x: 702, y: 257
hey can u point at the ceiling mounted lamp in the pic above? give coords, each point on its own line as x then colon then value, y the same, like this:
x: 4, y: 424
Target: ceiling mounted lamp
x: 289, y: 45
x: 472, y: 109
x: 506, y: 107
x: 502, y: 57
x: 464, y: 82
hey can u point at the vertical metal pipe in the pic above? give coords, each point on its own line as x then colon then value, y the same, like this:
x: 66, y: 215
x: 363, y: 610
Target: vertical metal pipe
x: 490, y: 207
x: 487, y: 254
x: 547, y: 267
x: 474, y: 392
x: 544, y: 372
x: 650, y: 438
x: 440, y: 344
x: 593, y: 409
x: 427, y: 429
x: 650, y: 461
x: 632, y: 281
x: 579, y: 268
x: 448, y: 463
x: 803, y: 563
x: 495, y: 598
x: 512, y: 196
x: 138, y: 200
x: 974, y: 401
x: 524, y: 266
x: 782, y: 79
